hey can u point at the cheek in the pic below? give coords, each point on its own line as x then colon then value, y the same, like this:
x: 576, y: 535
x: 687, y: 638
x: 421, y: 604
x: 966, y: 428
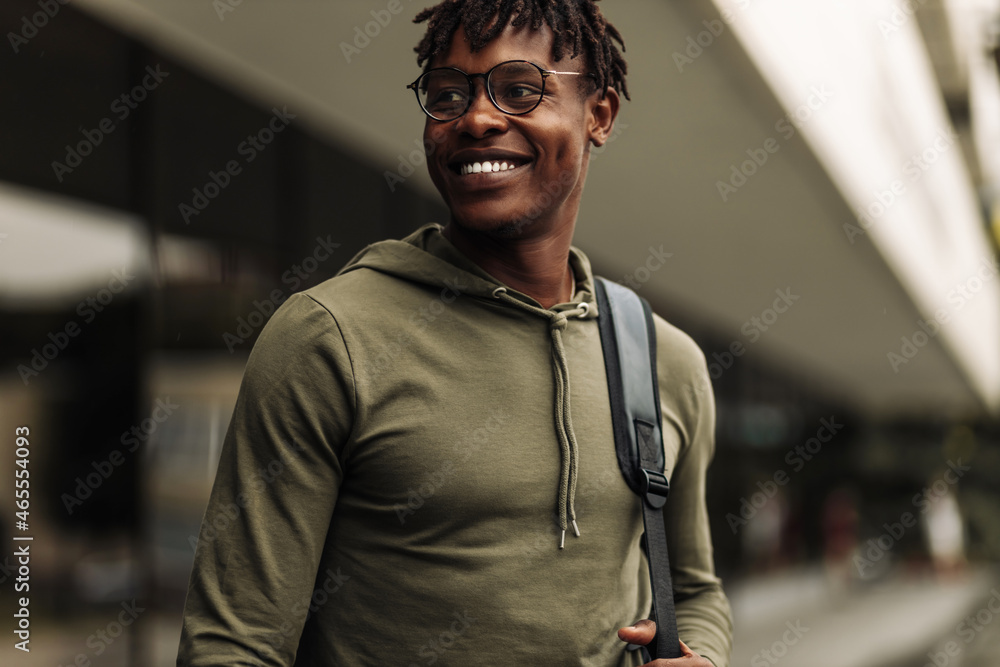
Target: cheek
x: 433, y: 142
x: 570, y: 153
x: 435, y: 134
x: 569, y: 140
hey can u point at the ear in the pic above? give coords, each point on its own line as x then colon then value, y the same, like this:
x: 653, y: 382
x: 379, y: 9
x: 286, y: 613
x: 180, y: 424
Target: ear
x: 602, y: 115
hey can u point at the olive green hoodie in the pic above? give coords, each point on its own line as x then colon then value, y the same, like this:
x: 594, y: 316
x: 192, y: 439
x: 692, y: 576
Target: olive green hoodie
x: 410, y: 441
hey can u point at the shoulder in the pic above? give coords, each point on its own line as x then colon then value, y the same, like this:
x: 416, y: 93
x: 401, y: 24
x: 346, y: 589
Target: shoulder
x: 300, y: 333
x: 350, y: 288
x: 300, y: 369
x: 300, y: 320
x: 363, y: 292
x: 677, y: 355
x: 685, y: 387
x: 340, y: 322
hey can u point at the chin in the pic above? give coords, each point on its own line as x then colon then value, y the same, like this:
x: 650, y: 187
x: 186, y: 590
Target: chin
x: 515, y: 228
x: 510, y: 228
x: 503, y: 226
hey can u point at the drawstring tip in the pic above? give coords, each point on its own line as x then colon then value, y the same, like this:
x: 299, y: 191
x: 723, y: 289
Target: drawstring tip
x: 562, y: 540
x: 576, y: 528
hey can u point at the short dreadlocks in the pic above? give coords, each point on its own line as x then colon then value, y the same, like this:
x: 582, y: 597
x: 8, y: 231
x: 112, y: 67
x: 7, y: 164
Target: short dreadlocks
x: 578, y: 26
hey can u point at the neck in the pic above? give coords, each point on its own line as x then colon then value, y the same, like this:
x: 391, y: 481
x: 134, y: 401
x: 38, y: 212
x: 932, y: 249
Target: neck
x: 535, y: 266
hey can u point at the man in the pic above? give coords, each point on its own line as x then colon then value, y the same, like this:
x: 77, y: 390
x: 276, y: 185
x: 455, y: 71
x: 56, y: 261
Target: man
x: 415, y: 437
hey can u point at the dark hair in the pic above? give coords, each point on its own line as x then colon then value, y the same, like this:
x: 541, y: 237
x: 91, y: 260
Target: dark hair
x: 578, y: 25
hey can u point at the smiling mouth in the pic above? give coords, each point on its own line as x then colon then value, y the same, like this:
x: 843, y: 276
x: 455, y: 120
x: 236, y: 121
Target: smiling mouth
x: 486, y: 167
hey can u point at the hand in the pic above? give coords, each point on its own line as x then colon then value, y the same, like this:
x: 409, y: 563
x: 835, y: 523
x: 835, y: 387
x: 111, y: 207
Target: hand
x: 643, y: 632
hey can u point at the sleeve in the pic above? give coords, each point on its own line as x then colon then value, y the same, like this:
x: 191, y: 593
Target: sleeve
x: 263, y: 532
x: 704, y: 618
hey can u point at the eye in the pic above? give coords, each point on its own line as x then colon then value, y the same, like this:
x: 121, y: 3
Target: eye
x: 444, y: 91
x: 445, y: 96
x: 446, y: 101
x: 522, y: 91
x: 449, y: 96
x: 516, y: 89
x: 518, y: 96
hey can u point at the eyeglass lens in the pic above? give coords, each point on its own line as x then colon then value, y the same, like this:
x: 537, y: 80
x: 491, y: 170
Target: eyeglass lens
x: 515, y: 87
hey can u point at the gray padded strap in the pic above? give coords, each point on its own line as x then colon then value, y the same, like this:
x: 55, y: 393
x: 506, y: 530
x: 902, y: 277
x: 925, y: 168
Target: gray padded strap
x: 636, y: 371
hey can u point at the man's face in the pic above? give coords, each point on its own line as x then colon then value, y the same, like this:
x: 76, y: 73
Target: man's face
x: 548, y: 148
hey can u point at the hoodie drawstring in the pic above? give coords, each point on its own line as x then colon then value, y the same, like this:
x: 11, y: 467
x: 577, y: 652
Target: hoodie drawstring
x: 569, y: 450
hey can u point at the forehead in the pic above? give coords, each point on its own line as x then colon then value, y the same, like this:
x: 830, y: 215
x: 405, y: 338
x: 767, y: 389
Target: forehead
x: 521, y: 43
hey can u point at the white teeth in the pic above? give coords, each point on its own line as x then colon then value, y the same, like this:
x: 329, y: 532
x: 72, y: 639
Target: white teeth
x: 484, y: 167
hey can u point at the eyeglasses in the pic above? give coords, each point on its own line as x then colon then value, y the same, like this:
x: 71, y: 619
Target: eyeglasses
x: 515, y: 87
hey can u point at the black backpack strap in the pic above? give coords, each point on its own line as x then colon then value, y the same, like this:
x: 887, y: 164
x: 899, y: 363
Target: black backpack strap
x: 628, y: 339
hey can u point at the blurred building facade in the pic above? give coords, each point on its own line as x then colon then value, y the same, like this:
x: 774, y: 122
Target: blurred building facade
x: 824, y: 180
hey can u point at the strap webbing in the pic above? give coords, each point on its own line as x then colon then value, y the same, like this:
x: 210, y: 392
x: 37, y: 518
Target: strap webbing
x: 666, y: 644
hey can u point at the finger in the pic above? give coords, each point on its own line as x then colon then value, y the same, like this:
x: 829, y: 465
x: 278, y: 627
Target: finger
x: 664, y: 662
x: 641, y: 632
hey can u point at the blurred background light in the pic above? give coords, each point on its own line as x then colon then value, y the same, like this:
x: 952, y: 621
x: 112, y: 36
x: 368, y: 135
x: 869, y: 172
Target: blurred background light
x: 57, y: 250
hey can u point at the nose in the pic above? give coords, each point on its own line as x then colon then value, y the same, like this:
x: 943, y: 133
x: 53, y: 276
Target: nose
x: 482, y: 116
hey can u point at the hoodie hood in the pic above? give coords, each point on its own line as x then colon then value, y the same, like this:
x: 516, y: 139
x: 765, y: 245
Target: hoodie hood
x: 428, y: 258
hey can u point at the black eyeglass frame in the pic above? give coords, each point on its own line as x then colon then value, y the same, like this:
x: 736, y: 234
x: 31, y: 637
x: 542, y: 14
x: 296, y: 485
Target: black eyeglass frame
x: 545, y: 73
